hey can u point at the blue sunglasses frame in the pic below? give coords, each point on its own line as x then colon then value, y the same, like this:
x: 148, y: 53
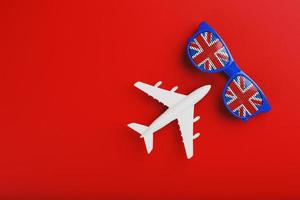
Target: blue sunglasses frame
x: 231, y: 69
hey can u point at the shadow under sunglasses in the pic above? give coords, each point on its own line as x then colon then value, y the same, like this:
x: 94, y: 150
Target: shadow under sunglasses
x: 241, y: 95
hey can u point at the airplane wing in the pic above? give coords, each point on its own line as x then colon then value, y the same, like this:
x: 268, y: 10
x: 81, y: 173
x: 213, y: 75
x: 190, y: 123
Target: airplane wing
x: 168, y: 98
x: 186, y: 123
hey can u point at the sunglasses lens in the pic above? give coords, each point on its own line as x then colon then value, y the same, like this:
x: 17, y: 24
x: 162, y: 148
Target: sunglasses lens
x: 207, y: 52
x: 242, y: 97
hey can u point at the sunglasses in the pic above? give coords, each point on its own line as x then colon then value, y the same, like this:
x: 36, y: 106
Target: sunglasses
x: 208, y: 53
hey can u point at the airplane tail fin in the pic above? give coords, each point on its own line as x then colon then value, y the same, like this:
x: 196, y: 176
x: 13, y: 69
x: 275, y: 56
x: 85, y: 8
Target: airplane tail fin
x: 148, y: 138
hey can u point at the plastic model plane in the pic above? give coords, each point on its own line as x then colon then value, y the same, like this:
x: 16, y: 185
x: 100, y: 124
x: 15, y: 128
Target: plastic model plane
x: 180, y: 107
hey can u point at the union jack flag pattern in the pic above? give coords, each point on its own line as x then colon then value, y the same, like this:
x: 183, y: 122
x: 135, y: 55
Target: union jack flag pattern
x: 242, y: 97
x: 208, y: 52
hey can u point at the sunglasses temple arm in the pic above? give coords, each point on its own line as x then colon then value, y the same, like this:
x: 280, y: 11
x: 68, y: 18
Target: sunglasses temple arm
x: 232, y: 70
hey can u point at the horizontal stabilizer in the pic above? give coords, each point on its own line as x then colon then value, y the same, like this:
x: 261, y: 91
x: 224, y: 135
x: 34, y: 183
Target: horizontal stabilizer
x: 137, y: 127
x: 148, y: 138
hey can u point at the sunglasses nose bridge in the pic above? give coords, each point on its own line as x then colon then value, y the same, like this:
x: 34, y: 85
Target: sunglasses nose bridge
x: 232, y: 70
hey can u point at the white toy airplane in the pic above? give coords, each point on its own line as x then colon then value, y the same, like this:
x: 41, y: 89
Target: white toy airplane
x: 181, y: 107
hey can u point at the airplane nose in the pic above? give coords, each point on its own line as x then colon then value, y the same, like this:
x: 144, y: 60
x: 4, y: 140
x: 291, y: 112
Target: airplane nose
x: 205, y: 89
x: 202, y: 92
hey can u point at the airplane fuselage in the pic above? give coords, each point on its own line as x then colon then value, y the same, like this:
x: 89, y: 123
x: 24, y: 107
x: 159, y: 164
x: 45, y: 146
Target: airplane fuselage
x: 172, y: 112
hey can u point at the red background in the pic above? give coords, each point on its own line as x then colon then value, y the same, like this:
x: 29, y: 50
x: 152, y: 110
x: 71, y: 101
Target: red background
x: 67, y: 75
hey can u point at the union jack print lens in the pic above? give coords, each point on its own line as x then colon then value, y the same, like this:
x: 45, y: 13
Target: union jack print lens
x: 207, y: 52
x: 242, y: 97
